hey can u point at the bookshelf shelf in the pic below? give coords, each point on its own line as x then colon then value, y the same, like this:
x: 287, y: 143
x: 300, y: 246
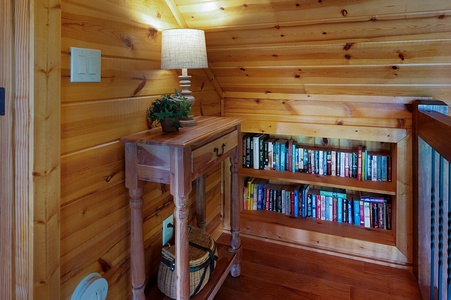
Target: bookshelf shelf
x: 387, y: 188
x: 343, y: 230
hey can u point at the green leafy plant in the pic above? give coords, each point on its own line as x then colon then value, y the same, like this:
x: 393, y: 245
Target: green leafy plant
x: 173, y: 107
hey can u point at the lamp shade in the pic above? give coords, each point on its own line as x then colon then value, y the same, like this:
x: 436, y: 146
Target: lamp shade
x: 183, y: 48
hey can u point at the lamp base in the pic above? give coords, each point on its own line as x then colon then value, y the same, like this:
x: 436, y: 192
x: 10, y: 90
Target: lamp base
x: 188, y: 122
x: 185, y: 83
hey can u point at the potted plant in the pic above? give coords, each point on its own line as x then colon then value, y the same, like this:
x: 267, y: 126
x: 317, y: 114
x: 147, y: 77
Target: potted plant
x: 168, y: 111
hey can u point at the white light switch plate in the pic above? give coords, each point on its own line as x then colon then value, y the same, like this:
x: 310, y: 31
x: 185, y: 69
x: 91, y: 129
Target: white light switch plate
x: 84, y: 65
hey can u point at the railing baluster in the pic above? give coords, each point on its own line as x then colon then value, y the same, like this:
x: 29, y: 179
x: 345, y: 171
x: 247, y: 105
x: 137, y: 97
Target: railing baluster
x: 448, y: 281
x: 440, y: 227
x: 432, y: 294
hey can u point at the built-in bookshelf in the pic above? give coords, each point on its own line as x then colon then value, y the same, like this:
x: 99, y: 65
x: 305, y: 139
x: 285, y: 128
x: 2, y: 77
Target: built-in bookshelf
x: 309, y: 163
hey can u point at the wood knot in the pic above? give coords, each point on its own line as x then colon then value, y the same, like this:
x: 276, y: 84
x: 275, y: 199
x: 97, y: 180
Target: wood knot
x: 277, y: 27
x: 297, y: 76
x: 325, y: 141
x: 348, y: 46
x: 127, y: 42
x: 222, y: 8
x: 347, y: 56
x: 441, y: 17
x: 275, y: 55
x: 394, y: 67
x: 401, y: 56
x: 244, y: 5
x: 104, y: 265
x: 324, y: 33
x: 152, y: 32
x: 344, y: 12
x: 298, y: 4
x: 243, y: 69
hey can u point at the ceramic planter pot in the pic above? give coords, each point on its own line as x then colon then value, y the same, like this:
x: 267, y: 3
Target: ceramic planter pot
x: 167, y: 126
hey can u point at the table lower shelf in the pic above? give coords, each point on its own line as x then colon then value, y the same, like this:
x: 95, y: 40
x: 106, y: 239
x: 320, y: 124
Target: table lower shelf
x: 225, y: 262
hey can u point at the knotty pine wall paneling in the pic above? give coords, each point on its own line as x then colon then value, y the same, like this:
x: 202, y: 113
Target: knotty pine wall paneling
x: 329, y: 47
x: 94, y: 201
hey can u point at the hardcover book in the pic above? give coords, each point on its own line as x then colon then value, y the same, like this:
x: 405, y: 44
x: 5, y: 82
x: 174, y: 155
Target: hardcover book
x: 357, y: 212
x: 333, y: 160
x: 359, y: 163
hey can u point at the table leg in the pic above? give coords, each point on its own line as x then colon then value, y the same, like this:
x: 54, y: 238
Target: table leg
x: 201, y: 203
x: 181, y: 211
x: 137, y: 243
x: 235, y: 242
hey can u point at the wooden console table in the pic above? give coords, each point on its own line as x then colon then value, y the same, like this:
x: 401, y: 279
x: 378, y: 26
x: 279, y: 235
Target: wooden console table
x: 178, y: 159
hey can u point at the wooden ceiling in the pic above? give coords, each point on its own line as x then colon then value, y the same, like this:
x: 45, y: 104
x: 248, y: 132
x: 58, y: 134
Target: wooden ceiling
x: 325, y: 47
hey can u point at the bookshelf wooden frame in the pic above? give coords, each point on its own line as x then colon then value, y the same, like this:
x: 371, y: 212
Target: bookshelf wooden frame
x: 376, y: 245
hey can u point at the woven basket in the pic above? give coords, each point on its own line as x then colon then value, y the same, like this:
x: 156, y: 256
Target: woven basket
x: 202, y: 261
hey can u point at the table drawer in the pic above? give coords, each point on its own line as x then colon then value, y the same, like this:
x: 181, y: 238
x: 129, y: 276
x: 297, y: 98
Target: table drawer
x: 203, y: 157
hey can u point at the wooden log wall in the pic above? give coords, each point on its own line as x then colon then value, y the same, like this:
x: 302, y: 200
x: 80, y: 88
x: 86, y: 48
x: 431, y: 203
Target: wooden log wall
x: 7, y: 228
x: 94, y: 202
x: 328, y: 47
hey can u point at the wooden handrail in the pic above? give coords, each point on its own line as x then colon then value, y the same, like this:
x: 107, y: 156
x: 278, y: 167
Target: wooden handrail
x: 435, y: 129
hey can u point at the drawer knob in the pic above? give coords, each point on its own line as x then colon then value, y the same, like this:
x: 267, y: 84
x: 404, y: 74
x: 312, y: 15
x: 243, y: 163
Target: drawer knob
x: 216, y: 150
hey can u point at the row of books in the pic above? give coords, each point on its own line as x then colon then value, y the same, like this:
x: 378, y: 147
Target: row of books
x: 262, y: 152
x: 369, y: 210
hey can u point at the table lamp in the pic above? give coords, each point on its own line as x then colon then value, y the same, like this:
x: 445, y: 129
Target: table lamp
x: 184, y: 48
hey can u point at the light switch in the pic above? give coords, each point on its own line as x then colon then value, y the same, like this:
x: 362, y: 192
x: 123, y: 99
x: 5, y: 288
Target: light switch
x: 84, y: 65
x: 81, y: 64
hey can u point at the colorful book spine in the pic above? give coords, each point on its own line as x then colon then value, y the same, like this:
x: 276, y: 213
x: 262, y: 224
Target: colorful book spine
x: 296, y: 203
x: 350, y: 218
x: 367, y: 214
x: 359, y: 163
x: 333, y: 159
x: 314, y: 203
x: 320, y: 162
x: 340, y: 210
x: 306, y: 161
x: 389, y: 168
x: 356, y: 212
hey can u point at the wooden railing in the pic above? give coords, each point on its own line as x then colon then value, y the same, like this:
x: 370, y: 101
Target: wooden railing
x: 432, y: 212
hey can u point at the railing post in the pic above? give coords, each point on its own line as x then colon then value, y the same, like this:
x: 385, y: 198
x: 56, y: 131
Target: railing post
x: 440, y: 226
x: 432, y: 258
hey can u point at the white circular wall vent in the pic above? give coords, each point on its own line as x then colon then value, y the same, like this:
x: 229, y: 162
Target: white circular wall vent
x: 92, y: 287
